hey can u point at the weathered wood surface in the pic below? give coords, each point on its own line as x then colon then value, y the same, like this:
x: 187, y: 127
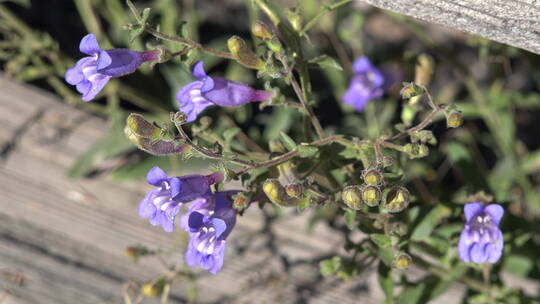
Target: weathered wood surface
x: 513, y: 22
x: 67, y: 238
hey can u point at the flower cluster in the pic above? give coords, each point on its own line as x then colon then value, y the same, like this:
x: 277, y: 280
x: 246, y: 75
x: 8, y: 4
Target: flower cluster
x: 90, y: 74
x: 209, y: 220
x: 481, y: 240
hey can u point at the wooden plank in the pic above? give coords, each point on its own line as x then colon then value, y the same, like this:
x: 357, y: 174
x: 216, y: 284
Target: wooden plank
x: 512, y: 22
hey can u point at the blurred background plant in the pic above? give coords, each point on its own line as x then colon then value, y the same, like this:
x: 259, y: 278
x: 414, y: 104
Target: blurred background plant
x: 494, y: 156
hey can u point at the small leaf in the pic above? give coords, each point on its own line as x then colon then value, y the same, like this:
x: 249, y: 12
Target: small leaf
x: 326, y: 62
x: 229, y: 134
x: 385, y: 280
x: 412, y: 294
x: 306, y: 151
x: 429, y: 222
x: 134, y: 10
x: 145, y: 15
x: 287, y: 141
x: 381, y: 240
x: 135, y: 32
x: 330, y: 266
x: 350, y: 216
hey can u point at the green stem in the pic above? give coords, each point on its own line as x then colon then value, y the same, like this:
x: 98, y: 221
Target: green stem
x: 188, y: 42
x: 324, y: 9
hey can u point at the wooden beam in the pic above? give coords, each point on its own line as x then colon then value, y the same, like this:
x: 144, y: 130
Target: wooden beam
x: 512, y: 22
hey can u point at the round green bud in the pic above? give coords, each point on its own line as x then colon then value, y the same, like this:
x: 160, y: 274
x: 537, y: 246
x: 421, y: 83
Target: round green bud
x: 277, y: 194
x: 153, y: 289
x: 352, y: 197
x: 454, y: 119
x: 261, y: 30
x: 243, y: 54
x: 371, y: 195
x: 294, y: 190
x: 402, y: 261
x: 372, y: 177
x: 397, y: 199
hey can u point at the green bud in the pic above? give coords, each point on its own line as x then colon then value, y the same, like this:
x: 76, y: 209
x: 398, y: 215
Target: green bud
x: 352, y: 197
x: 243, y: 54
x: 397, y: 199
x: 240, y: 201
x: 153, y: 289
x: 410, y: 90
x: 155, y: 146
x: 277, y: 194
x: 141, y: 127
x: 371, y: 195
x: 402, y: 261
x: 261, y: 30
x: 372, y: 177
x: 387, y: 161
x: 424, y: 70
x: 454, y: 119
x: 416, y: 150
x: 294, y: 190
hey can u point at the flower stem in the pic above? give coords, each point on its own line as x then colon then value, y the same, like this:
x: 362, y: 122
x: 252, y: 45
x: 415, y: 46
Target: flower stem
x: 188, y: 42
x: 324, y: 9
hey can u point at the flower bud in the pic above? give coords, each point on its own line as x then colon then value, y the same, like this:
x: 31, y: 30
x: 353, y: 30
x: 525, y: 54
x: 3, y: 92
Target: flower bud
x: 371, y: 195
x: 397, y: 199
x: 352, y: 197
x: 402, y: 261
x: 416, y: 150
x: 387, y: 161
x: 243, y: 54
x: 154, y: 289
x: 454, y: 119
x: 423, y: 70
x: 154, y: 147
x: 276, y: 193
x: 287, y: 173
x: 410, y: 90
x: 132, y: 252
x: 372, y: 177
x: 240, y: 201
x: 261, y: 30
x: 141, y: 127
x: 294, y: 190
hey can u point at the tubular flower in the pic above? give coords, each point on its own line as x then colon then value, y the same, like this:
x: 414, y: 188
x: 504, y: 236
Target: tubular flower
x: 209, y: 221
x: 481, y: 240
x: 196, y: 96
x: 366, y: 84
x: 90, y: 74
x: 162, y: 204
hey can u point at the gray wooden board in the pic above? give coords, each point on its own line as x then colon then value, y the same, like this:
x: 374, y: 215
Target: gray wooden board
x: 513, y: 22
x: 67, y: 237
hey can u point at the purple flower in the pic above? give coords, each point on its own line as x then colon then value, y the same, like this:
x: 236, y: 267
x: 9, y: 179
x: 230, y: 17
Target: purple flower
x: 481, y: 240
x: 90, y: 74
x: 209, y: 221
x: 196, y: 96
x: 162, y: 204
x: 366, y: 84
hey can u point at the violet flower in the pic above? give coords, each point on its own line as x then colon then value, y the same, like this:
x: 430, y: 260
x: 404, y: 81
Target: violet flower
x: 196, y: 96
x: 481, y: 240
x: 209, y: 221
x: 90, y: 74
x: 366, y: 84
x: 162, y: 204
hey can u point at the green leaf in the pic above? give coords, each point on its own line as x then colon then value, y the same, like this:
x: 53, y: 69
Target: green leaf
x: 381, y: 240
x: 145, y: 15
x: 287, y: 141
x: 330, y: 266
x: 306, y: 151
x: 428, y: 222
x: 325, y: 62
x: 134, y: 10
x: 412, y: 294
x: 229, y: 134
x: 135, y: 32
x: 519, y: 265
x: 385, y: 280
x: 350, y: 216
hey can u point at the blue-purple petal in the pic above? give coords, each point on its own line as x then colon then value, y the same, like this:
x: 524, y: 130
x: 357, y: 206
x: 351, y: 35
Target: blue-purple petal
x: 104, y: 60
x: 89, y: 45
x: 198, y: 70
x: 495, y: 211
x: 175, y: 186
x: 472, y: 209
x: 155, y: 176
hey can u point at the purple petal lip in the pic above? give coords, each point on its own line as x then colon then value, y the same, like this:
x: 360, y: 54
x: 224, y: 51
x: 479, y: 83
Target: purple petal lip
x: 481, y: 240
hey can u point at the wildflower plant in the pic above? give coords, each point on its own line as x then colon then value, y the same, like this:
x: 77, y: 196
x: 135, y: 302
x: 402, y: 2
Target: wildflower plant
x: 363, y: 179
